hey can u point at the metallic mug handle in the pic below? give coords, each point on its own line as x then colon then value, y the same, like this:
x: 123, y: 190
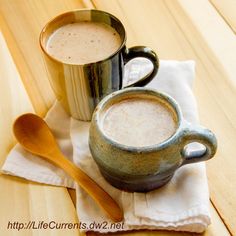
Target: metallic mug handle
x: 197, y: 133
x: 142, y: 51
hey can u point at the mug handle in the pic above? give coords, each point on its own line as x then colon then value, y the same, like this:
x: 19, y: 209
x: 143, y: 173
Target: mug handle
x: 142, y: 51
x: 196, y: 133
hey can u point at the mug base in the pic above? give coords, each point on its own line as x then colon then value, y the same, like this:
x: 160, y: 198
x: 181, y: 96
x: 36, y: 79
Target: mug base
x: 145, y: 184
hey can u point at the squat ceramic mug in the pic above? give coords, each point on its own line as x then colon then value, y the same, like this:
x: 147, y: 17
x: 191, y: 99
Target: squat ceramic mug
x: 80, y: 87
x: 146, y: 168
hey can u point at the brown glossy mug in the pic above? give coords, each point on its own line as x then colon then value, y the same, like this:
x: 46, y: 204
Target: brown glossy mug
x: 81, y: 86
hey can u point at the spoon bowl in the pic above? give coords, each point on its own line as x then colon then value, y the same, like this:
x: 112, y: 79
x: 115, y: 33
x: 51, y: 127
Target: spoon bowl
x: 35, y: 136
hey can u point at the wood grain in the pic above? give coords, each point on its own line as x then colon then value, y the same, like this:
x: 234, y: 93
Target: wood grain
x: 226, y: 9
x: 14, y: 99
x: 182, y: 30
x: 21, y: 22
x: 21, y: 200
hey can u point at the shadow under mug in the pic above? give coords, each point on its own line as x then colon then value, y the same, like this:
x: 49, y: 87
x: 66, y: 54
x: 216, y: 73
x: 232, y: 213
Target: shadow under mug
x: 142, y: 169
x: 81, y: 87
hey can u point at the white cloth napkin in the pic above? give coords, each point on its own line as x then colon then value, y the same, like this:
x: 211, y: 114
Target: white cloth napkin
x: 181, y: 205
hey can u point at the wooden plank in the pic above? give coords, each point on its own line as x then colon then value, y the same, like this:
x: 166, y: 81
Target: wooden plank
x: 23, y: 201
x: 217, y: 228
x: 14, y: 99
x: 21, y: 22
x: 226, y: 9
x: 176, y: 34
x: 20, y: 200
x: 187, y: 30
x: 143, y: 233
x: 215, y: 47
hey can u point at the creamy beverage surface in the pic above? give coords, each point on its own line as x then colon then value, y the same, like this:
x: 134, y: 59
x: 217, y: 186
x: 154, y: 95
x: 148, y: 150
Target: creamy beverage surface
x: 139, y: 122
x: 83, y: 42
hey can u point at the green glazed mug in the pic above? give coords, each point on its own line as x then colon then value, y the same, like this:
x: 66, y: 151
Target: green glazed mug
x: 80, y: 87
x: 144, y: 168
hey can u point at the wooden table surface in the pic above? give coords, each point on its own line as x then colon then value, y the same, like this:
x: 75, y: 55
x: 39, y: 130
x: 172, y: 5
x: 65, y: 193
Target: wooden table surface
x: 201, y: 30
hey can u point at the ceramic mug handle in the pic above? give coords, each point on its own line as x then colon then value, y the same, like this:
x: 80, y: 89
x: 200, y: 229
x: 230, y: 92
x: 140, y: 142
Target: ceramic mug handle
x: 142, y: 51
x: 199, y: 134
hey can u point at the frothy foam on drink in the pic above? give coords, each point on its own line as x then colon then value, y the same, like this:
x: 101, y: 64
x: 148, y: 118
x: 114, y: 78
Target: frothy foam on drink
x: 83, y: 42
x: 139, y: 122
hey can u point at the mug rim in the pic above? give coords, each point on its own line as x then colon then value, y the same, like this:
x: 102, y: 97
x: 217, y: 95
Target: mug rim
x: 44, y: 29
x: 150, y: 148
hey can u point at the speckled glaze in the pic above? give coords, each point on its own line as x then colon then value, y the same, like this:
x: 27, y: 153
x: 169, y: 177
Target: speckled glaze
x: 143, y: 169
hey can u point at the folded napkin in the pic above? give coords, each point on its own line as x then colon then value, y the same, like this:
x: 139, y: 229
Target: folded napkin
x: 181, y: 205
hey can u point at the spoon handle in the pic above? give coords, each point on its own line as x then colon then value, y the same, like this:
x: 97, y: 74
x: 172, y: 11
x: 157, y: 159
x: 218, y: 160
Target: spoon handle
x: 102, y: 198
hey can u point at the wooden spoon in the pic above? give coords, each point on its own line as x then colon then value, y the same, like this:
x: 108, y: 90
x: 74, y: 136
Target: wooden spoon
x: 35, y: 136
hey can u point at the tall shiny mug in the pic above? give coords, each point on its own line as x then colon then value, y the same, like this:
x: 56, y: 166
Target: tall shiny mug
x: 80, y: 87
